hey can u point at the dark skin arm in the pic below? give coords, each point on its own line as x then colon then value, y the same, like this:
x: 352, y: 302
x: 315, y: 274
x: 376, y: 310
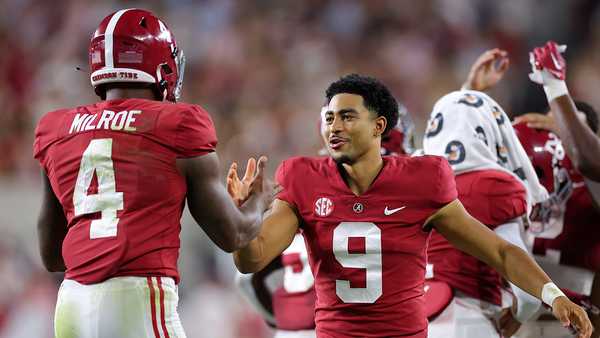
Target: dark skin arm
x: 230, y: 227
x: 581, y: 144
x: 578, y: 139
x: 52, y: 229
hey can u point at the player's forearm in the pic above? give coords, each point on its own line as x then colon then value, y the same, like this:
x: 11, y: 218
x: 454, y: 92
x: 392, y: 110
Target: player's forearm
x: 252, y: 217
x: 581, y: 144
x: 50, y: 244
x: 520, y: 269
x: 251, y: 258
x: 228, y: 226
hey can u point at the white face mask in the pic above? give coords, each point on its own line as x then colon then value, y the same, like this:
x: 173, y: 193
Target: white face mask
x: 180, y: 62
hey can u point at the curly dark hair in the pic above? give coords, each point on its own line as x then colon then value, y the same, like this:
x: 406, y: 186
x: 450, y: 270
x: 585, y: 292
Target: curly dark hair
x: 377, y: 98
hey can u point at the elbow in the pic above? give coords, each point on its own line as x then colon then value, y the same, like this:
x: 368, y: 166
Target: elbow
x: 245, y: 267
x: 229, y: 247
x: 54, y: 268
x: 53, y: 265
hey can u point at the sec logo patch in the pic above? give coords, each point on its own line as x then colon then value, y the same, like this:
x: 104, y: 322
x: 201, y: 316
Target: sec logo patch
x: 323, y: 207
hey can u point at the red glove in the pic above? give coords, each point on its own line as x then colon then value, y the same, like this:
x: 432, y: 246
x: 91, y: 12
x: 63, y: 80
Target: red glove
x: 549, y: 57
x: 548, y: 68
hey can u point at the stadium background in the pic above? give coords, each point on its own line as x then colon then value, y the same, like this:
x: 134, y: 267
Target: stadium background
x: 260, y: 69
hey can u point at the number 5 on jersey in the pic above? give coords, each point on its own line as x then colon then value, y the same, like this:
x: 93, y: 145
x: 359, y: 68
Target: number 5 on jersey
x: 97, y: 157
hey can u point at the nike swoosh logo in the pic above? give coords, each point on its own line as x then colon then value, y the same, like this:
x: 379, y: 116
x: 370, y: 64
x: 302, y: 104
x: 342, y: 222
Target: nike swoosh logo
x: 388, y: 212
x: 556, y: 64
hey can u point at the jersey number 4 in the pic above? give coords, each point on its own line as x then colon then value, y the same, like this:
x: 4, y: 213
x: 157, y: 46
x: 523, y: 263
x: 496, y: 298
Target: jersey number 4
x: 97, y: 158
x: 370, y: 261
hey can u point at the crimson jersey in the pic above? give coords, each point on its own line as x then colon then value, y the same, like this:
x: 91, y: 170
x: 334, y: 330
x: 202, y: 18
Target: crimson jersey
x: 578, y: 238
x: 494, y: 198
x: 367, y: 252
x: 294, y: 301
x: 112, y: 166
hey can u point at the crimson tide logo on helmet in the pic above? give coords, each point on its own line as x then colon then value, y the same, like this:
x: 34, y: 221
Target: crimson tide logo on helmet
x: 134, y: 46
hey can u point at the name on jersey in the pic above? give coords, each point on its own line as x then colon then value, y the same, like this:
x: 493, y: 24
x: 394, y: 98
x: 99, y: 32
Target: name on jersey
x: 108, y: 120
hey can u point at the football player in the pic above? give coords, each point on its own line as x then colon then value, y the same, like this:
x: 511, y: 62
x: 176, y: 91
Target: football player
x: 563, y: 234
x: 287, y: 302
x: 580, y: 141
x: 116, y: 177
x: 563, y: 146
x: 366, y: 220
x: 471, y: 130
x: 494, y: 196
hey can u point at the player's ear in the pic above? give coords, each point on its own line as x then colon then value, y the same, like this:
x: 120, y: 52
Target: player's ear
x: 380, y: 124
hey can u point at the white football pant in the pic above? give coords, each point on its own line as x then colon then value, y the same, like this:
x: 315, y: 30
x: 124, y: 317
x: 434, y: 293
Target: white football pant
x: 465, y: 317
x: 124, y: 307
x: 295, y: 334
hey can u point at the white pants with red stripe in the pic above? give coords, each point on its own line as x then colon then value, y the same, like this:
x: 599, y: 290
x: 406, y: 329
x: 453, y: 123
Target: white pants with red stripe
x: 124, y: 307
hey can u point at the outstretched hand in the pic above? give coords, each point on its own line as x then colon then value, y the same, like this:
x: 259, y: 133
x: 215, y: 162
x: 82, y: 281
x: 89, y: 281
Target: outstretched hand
x: 572, y: 315
x: 488, y: 70
x: 538, y: 121
x: 548, y: 59
x: 239, y: 189
x: 253, y: 183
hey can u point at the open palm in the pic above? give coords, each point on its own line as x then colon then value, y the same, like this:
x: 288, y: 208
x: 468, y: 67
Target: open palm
x: 488, y: 70
x: 240, y: 189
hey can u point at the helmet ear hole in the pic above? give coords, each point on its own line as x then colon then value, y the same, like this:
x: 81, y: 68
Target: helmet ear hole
x: 143, y: 23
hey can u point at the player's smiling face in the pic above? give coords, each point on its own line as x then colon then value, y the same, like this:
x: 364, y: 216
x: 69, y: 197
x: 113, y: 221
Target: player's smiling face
x: 349, y: 129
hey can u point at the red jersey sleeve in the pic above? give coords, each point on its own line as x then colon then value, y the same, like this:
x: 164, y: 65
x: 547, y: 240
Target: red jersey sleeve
x: 45, y: 134
x: 445, y: 191
x: 196, y: 133
x: 283, y: 178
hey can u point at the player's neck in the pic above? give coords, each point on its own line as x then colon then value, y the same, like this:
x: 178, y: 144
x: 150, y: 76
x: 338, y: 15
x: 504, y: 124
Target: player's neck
x: 360, y: 175
x: 130, y: 93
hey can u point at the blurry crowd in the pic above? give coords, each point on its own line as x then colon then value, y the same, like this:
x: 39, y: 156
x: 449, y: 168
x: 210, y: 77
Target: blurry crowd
x: 260, y: 68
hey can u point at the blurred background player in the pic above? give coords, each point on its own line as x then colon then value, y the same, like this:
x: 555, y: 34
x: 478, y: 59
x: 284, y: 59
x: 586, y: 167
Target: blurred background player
x: 568, y: 220
x: 363, y: 218
x: 283, y: 292
x: 496, y: 183
x: 564, y: 236
x: 581, y: 141
x: 470, y: 129
x: 116, y: 177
